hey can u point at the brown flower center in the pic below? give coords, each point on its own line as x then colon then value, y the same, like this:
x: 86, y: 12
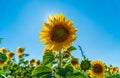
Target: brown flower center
x: 20, y: 50
x: 59, y: 33
x: 4, y: 50
x: 38, y: 63
x: 11, y: 54
x: 97, y: 68
x: 32, y: 61
x: 20, y: 56
x: 74, y: 62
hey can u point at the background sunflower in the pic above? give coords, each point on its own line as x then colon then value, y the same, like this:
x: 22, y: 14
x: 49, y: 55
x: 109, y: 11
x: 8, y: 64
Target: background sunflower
x: 98, y: 69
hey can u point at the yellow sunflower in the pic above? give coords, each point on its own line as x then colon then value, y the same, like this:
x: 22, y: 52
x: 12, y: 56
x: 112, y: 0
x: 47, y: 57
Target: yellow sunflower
x: 32, y: 61
x: 98, y: 69
x: 20, y: 50
x: 20, y: 55
x: 10, y: 55
x: 114, y: 69
x: 3, y: 50
x: 2, y: 63
x: 75, y: 62
x: 58, y: 33
x: 37, y: 63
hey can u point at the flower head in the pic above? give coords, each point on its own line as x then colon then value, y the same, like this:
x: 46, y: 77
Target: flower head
x: 10, y: 55
x: 37, y: 63
x: 3, y: 50
x: 98, y: 69
x: 20, y: 50
x: 2, y: 63
x: 75, y: 62
x: 58, y: 33
x: 20, y: 55
x: 85, y: 64
x: 114, y: 69
x: 32, y: 61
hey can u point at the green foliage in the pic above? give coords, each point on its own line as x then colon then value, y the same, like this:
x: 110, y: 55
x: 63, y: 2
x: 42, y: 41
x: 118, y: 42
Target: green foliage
x: 71, y: 48
x: 1, y: 71
x: 48, y: 57
x: 66, y: 71
x: 53, y: 65
x: 42, y: 72
x: 3, y: 57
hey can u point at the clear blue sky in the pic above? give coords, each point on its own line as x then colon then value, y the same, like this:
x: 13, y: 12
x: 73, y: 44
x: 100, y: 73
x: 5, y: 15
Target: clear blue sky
x: 98, y: 22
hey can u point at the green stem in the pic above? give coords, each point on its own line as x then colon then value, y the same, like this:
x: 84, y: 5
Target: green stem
x: 60, y: 61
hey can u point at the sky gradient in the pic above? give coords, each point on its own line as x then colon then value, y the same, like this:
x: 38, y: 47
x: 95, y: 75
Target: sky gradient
x: 98, y: 23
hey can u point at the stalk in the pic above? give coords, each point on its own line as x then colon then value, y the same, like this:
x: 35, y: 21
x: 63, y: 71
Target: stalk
x: 60, y: 61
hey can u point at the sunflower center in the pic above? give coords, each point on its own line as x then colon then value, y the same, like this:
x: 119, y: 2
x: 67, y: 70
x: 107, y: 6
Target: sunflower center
x: 97, y: 68
x: 74, y: 62
x: 59, y: 34
x: 11, y: 55
x: 20, y: 50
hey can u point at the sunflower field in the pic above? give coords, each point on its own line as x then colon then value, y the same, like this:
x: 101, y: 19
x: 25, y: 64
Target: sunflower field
x: 58, y: 62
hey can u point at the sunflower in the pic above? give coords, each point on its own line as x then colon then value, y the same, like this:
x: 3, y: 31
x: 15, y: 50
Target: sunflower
x: 32, y: 61
x: 20, y: 50
x: 85, y: 64
x: 58, y: 33
x: 20, y: 55
x: 98, y: 69
x: 2, y: 63
x: 74, y: 62
x: 3, y: 50
x: 114, y: 69
x: 10, y: 55
x: 37, y: 63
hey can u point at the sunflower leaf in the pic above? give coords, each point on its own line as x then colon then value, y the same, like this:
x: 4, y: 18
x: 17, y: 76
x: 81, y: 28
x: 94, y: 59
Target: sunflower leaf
x: 71, y: 48
x: 1, y: 71
x: 42, y: 72
x: 48, y: 58
x: 65, y: 72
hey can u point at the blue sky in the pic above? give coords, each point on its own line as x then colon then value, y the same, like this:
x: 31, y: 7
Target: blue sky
x: 98, y: 22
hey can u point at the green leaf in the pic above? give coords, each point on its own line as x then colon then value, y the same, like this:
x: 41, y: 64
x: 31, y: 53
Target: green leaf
x: 1, y: 71
x: 65, y: 72
x: 3, y: 57
x: 48, y: 58
x: 71, y: 48
x: 42, y: 72
x: 21, y: 61
x: 78, y: 74
x: 25, y: 55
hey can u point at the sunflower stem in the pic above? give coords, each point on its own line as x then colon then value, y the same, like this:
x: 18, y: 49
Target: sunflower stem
x: 60, y: 61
